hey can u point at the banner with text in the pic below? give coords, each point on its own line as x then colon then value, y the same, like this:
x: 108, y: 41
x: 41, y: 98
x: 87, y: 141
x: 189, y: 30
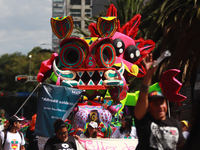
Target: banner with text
x: 106, y: 144
x: 54, y: 102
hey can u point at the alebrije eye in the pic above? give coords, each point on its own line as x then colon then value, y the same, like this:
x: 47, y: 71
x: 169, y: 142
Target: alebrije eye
x: 132, y: 53
x: 119, y: 46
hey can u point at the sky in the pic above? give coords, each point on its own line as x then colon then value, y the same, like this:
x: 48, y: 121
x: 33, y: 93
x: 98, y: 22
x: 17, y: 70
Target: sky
x: 24, y: 24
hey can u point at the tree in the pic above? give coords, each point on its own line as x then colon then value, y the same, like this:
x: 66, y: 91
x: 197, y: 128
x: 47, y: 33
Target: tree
x: 127, y: 9
x: 15, y: 64
x: 174, y: 25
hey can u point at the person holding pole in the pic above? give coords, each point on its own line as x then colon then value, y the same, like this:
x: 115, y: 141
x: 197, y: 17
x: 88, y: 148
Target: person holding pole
x: 155, y: 130
x: 61, y: 140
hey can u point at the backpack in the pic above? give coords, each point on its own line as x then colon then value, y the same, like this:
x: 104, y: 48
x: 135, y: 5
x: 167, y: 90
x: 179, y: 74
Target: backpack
x: 5, y: 137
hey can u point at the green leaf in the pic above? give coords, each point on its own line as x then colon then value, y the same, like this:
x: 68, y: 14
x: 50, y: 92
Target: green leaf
x: 198, y: 12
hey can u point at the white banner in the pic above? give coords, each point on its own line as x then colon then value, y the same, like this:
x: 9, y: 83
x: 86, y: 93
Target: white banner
x: 106, y: 144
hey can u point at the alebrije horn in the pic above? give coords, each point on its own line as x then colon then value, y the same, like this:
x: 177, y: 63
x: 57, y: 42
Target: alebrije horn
x: 171, y: 86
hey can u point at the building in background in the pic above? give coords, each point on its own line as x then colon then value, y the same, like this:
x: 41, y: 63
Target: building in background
x: 99, y: 5
x: 79, y: 10
x: 57, y: 11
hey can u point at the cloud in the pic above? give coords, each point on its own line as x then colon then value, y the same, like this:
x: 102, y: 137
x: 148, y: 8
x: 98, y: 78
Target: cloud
x: 24, y: 25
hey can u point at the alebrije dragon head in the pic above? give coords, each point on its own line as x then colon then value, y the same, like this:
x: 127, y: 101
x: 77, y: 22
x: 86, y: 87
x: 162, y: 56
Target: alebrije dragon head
x: 128, y: 50
x: 95, y: 62
x: 84, y: 63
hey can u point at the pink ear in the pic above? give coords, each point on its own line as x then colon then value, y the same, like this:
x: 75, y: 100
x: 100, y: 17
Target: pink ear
x: 58, y: 80
x: 115, y: 108
x: 170, y: 86
x: 93, y: 30
x: 145, y: 46
x: 111, y: 11
x: 46, y: 68
x: 131, y: 27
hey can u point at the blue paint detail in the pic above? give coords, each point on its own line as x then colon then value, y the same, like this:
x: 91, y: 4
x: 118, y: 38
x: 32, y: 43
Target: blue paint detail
x: 137, y: 44
x: 109, y: 103
x: 114, y: 82
x: 81, y: 82
x: 134, y: 23
x: 80, y: 73
x: 90, y: 58
x: 88, y: 38
x: 111, y: 75
x: 68, y: 48
x: 65, y: 75
x: 100, y: 82
x: 121, y: 84
x: 108, y: 56
x: 90, y: 83
x: 90, y: 73
x: 90, y: 42
x: 101, y: 73
x: 147, y: 45
x: 121, y: 71
x: 90, y: 63
x: 66, y: 84
x: 74, y: 84
x: 105, y: 24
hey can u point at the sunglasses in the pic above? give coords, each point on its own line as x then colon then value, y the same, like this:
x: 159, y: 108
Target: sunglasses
x: 62, y: 133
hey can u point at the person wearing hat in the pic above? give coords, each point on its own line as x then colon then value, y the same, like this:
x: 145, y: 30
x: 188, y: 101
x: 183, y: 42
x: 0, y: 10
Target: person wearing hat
x: 11, y: 138
x: 155, y: 130
x: 185, y: 127
x: 91, y: 131
x: 61, y: 140
x: 127, y: 130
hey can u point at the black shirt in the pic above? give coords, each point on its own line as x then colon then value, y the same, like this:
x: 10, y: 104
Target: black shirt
x: 157, y: 134
x: 32, y: 140
x: 54, y: 143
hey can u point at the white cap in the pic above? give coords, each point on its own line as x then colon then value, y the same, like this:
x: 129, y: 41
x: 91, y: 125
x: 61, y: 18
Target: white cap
x: 93, y: 124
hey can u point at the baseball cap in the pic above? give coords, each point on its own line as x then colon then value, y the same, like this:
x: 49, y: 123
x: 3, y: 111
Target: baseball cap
x: 186, y: 123
x: 13, y: 119
x: 93, y: 124
x: 154, y: 95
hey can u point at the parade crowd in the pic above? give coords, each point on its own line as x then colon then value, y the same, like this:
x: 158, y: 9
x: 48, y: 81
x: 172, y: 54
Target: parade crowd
x: 153, y: 128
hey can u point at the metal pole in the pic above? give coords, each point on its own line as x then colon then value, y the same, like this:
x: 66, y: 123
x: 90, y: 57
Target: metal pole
x: 27, y: 99
x: 168, y: 108
x: 30, y: 56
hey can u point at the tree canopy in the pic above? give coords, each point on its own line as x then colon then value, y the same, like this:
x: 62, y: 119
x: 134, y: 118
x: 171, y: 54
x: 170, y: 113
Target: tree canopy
x: 12, y: 65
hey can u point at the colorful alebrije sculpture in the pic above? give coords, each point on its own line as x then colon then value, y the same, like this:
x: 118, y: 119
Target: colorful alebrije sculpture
x: 128, y: 50
x: 98, y: 64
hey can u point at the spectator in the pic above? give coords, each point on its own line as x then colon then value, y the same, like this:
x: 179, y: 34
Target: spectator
x: 11, y: 138
x: 4, y: 126
x: 126, y: 131
x: 185, y: 127
x: 91, y: 131
x: 31, y: 138
x: 61, y: 140
x: 155, y: 129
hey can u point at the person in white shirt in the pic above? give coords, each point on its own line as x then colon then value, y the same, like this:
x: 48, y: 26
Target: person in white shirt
x: 91, y: 131
x: 4, y: 125
x: 11, y: 138
x: 127, y: 130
